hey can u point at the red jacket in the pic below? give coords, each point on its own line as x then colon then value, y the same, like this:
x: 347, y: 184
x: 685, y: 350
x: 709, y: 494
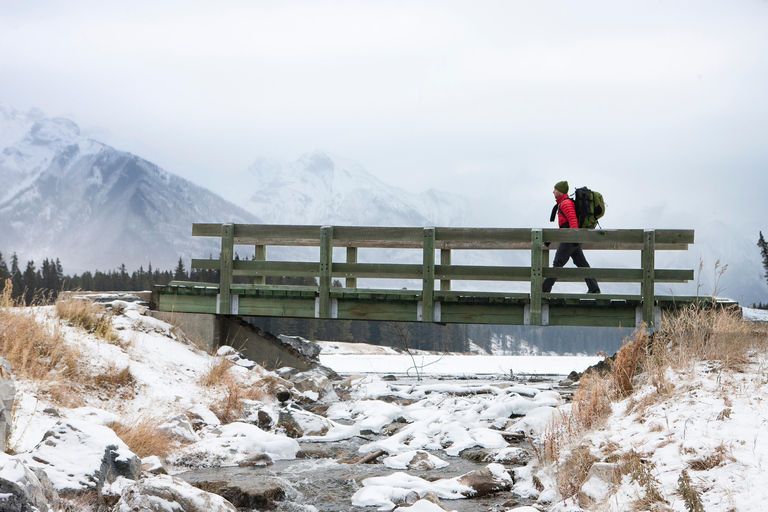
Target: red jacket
x: 566, y: 212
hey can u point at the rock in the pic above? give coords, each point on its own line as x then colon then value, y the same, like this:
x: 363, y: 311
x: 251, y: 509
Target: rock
x: 308, y: 349
x: 476, y: 454
x: 7, y: 397
x: 242, y: 488
x: 513, y: 455
x: 286, y: 372
x: 163, y: 493
x: 316, y: 452
x: 180, y: 428
x: 200, y: 416
x: 154, y: 465
x: 493, y: 478
x: 80, y: 456
x: 23, y: 488
x: 283, y: 395
x: 314, y: 385
x: 298, y: 423
x: 601, y: 480
x: 389, y: 378
x: 258, y: 460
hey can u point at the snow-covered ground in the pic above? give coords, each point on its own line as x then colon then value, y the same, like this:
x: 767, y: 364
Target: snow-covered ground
x: 709, y: 415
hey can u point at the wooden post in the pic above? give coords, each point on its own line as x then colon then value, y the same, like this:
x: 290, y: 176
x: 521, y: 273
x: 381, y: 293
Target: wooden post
x: 260, y: 255
x: 536, y: 275
x: 428, y: 273
x: 445, y: 259
x: 227, y: 251
x: 649, y: 277
x: 326, y: 256
x: 351, y: 282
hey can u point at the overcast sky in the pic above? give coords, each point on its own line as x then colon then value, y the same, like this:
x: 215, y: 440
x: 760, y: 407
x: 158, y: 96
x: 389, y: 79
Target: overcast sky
x: 661, y: 105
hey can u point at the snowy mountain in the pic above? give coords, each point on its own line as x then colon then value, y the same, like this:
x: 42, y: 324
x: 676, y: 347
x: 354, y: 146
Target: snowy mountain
x: 95, y: 207
x: 318, y: 189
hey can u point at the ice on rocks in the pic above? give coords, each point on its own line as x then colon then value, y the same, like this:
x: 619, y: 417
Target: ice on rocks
x: 79, y: 455
x: 239, y: 440
x: 163, y: 493
x: 415, y: 459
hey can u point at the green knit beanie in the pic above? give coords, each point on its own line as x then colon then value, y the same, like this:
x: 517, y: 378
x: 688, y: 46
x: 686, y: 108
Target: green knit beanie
x: 562, y: 186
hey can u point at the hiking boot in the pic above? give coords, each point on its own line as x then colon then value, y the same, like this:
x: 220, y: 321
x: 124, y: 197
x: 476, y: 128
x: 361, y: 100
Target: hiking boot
x: 593, y: 291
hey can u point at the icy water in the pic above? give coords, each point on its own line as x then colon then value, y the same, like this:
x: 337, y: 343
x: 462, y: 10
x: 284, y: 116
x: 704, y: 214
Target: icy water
x: 328, y: 480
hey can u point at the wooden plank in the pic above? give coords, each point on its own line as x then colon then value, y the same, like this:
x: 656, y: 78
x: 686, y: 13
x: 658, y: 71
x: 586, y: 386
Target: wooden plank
x: 187, y: 303
x: 351, y: 282
x: 389, y: 311
x: 647, y: 288
x: 445, y: 261
x: 378, y: 270
x: 277, y: 268
x: 482, y: 273
x: 617, y: 275
x: 277, y: 307
x: 356, y: 235
x: 591, y: 316
x: 462, y: 293
x: 537, y: 246
x: 428, y: 276
x: 260, y: 254
x: 482, y: 314
x: 326, y: 259
x: 227, y: 251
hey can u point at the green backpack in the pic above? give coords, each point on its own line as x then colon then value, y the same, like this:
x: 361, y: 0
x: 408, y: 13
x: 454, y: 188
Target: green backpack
x: 590, y: 207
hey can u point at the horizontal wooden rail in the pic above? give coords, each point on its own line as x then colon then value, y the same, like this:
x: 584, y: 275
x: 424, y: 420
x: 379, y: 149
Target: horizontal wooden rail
x: 434, y: 300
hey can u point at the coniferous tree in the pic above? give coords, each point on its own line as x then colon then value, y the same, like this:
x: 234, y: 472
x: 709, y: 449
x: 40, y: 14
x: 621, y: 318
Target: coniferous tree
x: 16, y: 278
x: 181, y: 272
x: 4, y: 272
x: 30, y: 282
x: 763, y: 245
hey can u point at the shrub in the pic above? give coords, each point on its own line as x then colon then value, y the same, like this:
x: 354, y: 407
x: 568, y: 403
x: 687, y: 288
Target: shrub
x: 143, y: 437
x: 89, y: 316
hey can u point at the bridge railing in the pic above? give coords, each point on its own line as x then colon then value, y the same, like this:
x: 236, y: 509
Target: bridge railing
x: 430, y: 240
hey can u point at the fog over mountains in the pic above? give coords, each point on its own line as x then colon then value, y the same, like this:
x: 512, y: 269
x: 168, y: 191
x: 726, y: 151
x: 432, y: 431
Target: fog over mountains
x: 93, y: 206
x: 66, y: 196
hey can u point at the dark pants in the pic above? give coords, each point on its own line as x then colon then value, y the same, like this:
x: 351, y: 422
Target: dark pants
x: 566, y: 251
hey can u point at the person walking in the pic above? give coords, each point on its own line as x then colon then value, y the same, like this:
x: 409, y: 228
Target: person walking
x: 566, y: 218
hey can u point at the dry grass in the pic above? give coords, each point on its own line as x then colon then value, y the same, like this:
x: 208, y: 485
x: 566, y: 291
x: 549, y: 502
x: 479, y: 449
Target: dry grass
x: 701, y: 333
x: 143, y: 437
x: 686, y: 337
x: 120, y: 383
x: 89, y: 316
x: 573, y: 470
x: 35, y: 351
x: 218, y: 373
x: 230, y: 405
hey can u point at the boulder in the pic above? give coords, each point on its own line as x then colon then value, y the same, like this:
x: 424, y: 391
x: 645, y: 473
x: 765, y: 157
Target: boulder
x: 24, y: 489
x: 492, y: 478
x: 154, y: 465
x: 7, y: 397
x: 314, y: 385
x: 162, y: 493
x: 243, y: 488
x: 80, y: 456
x: 308, y: 349
x: 179, y: 428
x: 297, y: 422
x: 602, y: 479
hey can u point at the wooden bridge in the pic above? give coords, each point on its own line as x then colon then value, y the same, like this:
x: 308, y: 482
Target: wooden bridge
x: 428, y: 303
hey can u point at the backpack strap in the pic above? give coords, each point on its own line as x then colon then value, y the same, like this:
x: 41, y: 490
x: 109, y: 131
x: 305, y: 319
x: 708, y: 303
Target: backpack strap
x: 556, y: 209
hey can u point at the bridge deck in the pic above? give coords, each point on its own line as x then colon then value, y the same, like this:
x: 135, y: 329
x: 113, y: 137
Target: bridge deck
x: 430, y: 303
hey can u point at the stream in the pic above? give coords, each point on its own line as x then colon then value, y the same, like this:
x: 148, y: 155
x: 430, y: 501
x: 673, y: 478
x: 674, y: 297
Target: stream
x: 325, y: 475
